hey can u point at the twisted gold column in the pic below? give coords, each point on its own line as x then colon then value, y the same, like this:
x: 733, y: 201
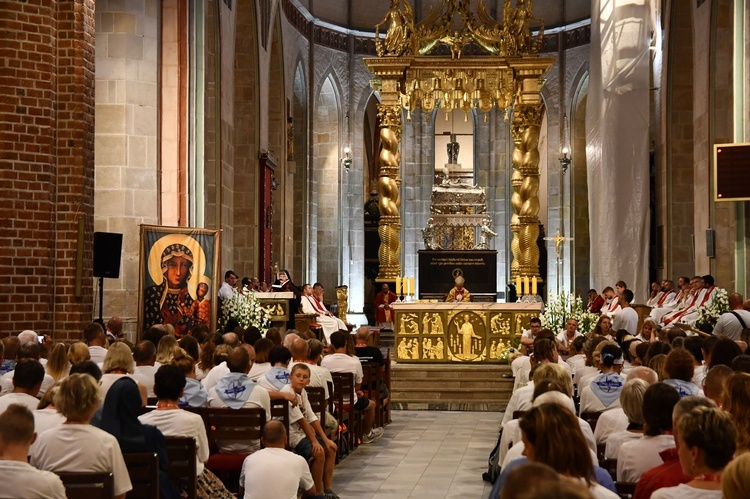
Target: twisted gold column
x: 527, y: 119
x: 389, y: 230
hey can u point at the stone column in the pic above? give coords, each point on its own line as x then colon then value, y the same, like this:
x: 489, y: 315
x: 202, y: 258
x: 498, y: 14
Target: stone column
x: 524, y: 223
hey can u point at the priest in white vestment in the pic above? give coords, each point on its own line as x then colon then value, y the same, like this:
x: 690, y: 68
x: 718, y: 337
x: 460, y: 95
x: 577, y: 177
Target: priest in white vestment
x: 311, y: 305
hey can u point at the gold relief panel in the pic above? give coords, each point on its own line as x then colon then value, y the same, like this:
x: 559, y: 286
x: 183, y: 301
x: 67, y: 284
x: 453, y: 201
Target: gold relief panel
x: 499, y: 348
x: 433, y: 348
x: 466, y: 337
x: 500, y: 324
x: 408, y: 324
x: 408, y: 349
x: 432, y: 323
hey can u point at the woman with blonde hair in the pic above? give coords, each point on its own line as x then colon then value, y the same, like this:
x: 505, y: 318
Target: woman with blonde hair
x: 165, y: 350
x: 735, y: 482
x: 78, y: 352
x: 631, y: 401
x: 76, y: 445
x: 57, y: 362
x: 705, y: 443
x: 736, y: 401
x: 659, y: 364
x: 119, y: 363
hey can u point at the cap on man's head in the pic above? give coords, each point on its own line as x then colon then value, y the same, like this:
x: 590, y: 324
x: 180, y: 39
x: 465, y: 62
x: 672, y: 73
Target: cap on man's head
x: 460, y: 280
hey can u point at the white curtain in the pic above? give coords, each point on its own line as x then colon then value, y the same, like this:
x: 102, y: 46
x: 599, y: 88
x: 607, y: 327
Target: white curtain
x: 617, y: 151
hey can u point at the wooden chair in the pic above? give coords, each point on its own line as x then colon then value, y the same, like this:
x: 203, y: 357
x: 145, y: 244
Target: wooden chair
x: 304, y: 322
x: 591, y: 418
x: 143, y: 468
x: 280, y: 412
x: 371, y: 378
x: 387, y: 407
x: 244, y: 424
x: 318, y: 403
x: 625, y: 490
x: 600, y: 449
x: 343, y: 386
x: 183, y: 466
x: 152, y: 400
x: 518, y: 414
x: 88, y: 485
x: 611, y: 466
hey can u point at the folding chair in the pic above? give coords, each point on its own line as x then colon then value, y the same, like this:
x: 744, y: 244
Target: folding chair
x: 88, y: 485
x: 143, y: 468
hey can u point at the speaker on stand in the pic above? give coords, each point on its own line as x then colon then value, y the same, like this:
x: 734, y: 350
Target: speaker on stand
x: 107, y: 254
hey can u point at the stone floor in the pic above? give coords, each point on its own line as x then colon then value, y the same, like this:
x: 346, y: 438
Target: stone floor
x: 422, y: 454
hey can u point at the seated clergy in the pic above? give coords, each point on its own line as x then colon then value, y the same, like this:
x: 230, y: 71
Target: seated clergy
x: 311, y: 304
x: 458, y: 293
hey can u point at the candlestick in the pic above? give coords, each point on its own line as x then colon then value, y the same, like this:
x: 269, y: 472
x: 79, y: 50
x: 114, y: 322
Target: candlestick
x: 526, y: 288
x: 411, y: 284
x: 533, y: 285
x: 519, y: 290
x: 398, y: 286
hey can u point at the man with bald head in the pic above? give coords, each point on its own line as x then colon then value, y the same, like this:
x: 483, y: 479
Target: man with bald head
x: 231, y: 339
x: 615, y: 420
x: 114, y: 329
x: 733, y: 322
x: 274, y: 471
x: 290, y: 337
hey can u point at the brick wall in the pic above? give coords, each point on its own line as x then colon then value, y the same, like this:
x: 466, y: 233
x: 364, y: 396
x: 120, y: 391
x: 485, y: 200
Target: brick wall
x: 46, y: 135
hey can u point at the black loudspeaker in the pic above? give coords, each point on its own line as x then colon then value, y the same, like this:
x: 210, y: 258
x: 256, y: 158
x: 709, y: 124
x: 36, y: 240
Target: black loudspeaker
x: 107, y: 251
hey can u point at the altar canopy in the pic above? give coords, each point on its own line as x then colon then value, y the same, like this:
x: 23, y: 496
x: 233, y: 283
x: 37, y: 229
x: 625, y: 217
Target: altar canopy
x: 617, y: 119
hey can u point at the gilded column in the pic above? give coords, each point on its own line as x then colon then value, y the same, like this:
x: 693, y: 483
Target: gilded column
x: 389, y: 230
x: 527, y: 120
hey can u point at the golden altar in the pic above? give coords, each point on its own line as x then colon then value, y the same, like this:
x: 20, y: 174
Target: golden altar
x: 459, y: 332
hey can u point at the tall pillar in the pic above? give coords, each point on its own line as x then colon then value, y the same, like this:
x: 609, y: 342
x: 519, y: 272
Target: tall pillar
x: 527, y: 119
x: 389, y: 230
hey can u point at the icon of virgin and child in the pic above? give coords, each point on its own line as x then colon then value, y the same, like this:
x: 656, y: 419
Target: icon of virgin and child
x: 180, y: 295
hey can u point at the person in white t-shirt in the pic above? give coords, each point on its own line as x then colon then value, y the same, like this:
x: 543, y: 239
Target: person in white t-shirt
x: 277, y: 377
x: 47, y: 416
x: 169, y: 385
x: 306, y: 435
x: 627, y: 317
x: 144, y: 355
x: 577, y: 358
x: 340, y: 362
x: 119, y: 363
x: 706, y: 444
x: 31, y: 351
x: 27, y: 379
x: 637, y: 456
x: 76, y: 446
x: 528, y: 336
x: 615, y: 420
x: 274, y: 471
x: 93, y: 335
x: 565, y: 338
x: 20, y: 479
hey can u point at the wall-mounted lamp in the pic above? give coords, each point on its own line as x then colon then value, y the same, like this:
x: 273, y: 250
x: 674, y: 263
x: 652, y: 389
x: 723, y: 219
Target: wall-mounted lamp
x: 347, y: 159
x: 565, y: 159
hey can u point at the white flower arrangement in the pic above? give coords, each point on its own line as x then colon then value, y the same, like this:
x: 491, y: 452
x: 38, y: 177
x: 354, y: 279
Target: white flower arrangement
x: 245, y: 309
x: 709, y: 314
x: 564, y: 306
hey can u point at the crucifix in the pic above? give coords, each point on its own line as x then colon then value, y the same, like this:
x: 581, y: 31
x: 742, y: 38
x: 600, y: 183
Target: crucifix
x: 559, y: 239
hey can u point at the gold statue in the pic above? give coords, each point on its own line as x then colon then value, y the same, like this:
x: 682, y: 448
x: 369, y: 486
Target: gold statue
x: 467, y: 332
x: 399, y: 30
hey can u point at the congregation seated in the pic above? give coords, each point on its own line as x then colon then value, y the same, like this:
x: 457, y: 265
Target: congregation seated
x: 603, y: 392
x: 277, y: 377
x: 592, y: 350
x: 261, y: 364
x: 77, y: 446
x: 219, y: 369
x: 121, y: 409
x: 173, y: 421
x: 706, y: 438
x: 118, y: 363
x: 274, y: 471
x: 27, y: 350
x: 27, y: 380
x: 340, y: 362
x: 615, y: 420
x: 631, y: 402
x: 736, y: 402
x: 194, y: 394
x: 543, y: 353
x: 144, y: 355
x: 96, y: 340
x: 637, y: 456
x: 46, y: 415
x: 306, y: 435
x: 21, y: 479
x: 554, y: 437
x: 680, y: 372
x: 236, y: 390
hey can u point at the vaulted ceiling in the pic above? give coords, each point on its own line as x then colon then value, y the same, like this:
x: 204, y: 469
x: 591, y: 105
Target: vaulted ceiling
x: 364, y: 14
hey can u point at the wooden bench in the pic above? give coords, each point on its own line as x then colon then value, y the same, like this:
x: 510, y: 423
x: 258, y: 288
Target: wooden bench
x: 183, y: 465
x: 88, y: 485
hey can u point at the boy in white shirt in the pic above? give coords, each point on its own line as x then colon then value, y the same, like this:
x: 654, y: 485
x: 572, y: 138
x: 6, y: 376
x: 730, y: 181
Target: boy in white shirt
x: 306, y: 435
x: 20, y: 478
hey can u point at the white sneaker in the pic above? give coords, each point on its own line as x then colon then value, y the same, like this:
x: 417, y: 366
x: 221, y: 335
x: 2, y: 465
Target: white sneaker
x: 375, y: 434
